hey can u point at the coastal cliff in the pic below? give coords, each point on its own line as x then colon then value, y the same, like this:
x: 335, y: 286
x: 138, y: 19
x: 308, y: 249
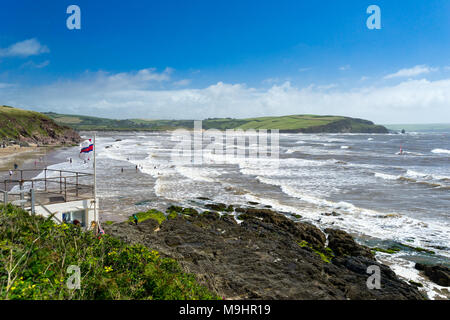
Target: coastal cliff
x: 24, y: 127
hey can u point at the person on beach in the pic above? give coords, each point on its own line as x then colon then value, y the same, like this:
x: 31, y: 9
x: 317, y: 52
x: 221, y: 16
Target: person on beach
x: 15, y: 166
x: 10, y: 174
x: 121, y: 170
x: 136, y: 168
x: 135, y: 218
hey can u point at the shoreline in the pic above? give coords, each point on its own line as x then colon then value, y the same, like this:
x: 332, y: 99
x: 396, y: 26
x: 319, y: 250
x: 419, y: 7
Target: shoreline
x: 32, y: 158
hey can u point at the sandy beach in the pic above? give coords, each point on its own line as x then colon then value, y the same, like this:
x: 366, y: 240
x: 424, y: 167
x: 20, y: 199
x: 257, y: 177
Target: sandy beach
x: 33, y: 157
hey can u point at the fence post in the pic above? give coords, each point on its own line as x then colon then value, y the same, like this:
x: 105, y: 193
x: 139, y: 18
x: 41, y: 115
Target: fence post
x: 60, y: 181
x: 22, y: 197
x: 65, y: 189
x: 32, y: 201
x: 76, y: 186
x: 5, y: 199
x: 45, y: 178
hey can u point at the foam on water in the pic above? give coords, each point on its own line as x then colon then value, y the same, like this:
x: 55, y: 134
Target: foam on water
x: 441, y: 151
x: 310, y: 178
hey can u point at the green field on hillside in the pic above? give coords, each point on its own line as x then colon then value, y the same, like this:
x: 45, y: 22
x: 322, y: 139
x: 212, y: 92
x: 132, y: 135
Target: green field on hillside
x: 293, y: 123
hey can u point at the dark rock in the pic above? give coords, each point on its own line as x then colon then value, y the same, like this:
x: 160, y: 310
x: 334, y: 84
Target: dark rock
x: 261, y: 258
x: 438, y: 274
x: 189, y: 211
x: 334, y: 214
x: 343, y: 244
x: 216, y: 206
x: 176, y: 209
x: 149, y: 225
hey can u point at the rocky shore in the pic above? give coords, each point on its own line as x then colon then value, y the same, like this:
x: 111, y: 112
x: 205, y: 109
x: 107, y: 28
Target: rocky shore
x: 254, y: 253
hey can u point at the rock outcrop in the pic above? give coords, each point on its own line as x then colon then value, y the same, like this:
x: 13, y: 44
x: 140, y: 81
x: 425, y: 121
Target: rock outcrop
x: 266, y: 256
x: 438, y: 274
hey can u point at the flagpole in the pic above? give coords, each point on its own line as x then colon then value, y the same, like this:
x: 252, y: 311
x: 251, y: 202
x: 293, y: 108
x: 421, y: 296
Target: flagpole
x: 95, y: 183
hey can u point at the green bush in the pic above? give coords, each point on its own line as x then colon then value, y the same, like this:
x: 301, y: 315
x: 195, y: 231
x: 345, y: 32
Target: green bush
x: 35, y: 254
x: 150, y: 214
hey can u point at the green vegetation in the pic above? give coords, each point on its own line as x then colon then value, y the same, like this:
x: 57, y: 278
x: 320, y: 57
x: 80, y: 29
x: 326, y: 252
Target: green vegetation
x: 35, y: 254
x: 417, y: 249
x: 397, y: 247
x: 325, y: 254
x: 17, y: 124
x: 389, y: 250
x: 172, y: 215
x: 293, y: 123
x: 150, y: 214
x: 417, y: 284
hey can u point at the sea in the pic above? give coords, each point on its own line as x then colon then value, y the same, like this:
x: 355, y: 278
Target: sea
x: 384, y: 189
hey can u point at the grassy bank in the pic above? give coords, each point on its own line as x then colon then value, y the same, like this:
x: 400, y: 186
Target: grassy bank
x: 35, y: 254
x: 24, y: 127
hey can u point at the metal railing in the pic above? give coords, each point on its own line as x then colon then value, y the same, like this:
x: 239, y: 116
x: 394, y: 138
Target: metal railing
x: 68, y: 185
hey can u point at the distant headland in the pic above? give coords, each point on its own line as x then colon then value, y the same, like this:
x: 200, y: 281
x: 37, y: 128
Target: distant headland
x: 285, y: 124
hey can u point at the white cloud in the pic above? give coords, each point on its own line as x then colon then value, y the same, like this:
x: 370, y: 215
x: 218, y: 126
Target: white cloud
x: 344, y: 68
x: 411, y: 72
x: 26, y: 48
x: 271, y: 81
x: 6, y: 85
x: 304, y: 69
x: 327, y: 86
x: 182, y: 82
x: 140, y: 94
x: 31, y: 64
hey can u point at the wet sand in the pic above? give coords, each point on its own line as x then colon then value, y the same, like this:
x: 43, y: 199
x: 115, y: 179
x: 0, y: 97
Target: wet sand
x: 27, y: 158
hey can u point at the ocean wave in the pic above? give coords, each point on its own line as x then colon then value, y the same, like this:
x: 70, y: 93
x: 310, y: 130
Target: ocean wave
x: 416, y: 177
x: 201, y: 174
x: 441, y: 151
x: 361, y: 221
x: 386, y: 176
x: 416, y: 174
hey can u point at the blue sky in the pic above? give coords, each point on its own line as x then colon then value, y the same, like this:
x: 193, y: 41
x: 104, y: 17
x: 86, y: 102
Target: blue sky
x: 199, y: 59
